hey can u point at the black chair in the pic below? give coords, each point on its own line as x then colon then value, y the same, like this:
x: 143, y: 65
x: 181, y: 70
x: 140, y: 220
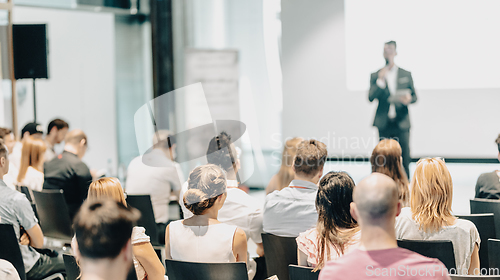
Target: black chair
x: 470, y: 277
x: 147, y: 220
x: 481, y: 206
x: 494, y: 253
x: 302, y: 273
x: 53, y: 214
x: 179, y: 270
x: 280, y: 252
x: 73, y: 270
x: 485, y: 224
x: 10, y: 249
x: 438, y: 249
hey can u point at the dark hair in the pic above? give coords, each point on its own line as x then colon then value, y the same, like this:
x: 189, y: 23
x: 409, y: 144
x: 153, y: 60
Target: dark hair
x: 220, y: 152
x: 311, y: 157
x: 4, y: 132
x: 333, y: 203
x: 57, y: 123
x: 205, y: 184
x: 3, y: 149
x: 498, y: 142
x: 103, y: 228
x: 391, y: 43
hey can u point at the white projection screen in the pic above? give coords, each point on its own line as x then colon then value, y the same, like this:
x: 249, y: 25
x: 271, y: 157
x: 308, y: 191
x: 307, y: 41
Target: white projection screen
x: 452, y: 49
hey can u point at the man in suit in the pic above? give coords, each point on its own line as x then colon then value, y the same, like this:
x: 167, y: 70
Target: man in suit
x: 393, y: 87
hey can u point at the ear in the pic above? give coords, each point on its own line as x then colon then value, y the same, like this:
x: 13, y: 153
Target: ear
x: 398, y: 211
x: 127, y: 252
x: 2, y: 161
x: 82, y: 142
x: 354, y: 211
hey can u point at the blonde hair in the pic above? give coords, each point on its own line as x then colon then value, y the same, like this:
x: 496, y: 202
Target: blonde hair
x: 108, y: 187
x: 285, y: 174
x: 205, y: 184
x: 31, y: 155
x: 386, y: 159
x: 431, y: 194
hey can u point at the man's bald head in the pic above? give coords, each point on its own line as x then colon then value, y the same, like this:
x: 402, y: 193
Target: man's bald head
x: 376, y: 197
x: 75, y: 136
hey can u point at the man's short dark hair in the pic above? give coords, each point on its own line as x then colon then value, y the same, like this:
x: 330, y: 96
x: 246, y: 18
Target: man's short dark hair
x: 221, y: 153
x: 498, y: 142
x: 3, y: 149
x: 311, y: 157
x: 391, y: 43
x: 103, y: 228
x: 57, y: 123
x: 4, y: 132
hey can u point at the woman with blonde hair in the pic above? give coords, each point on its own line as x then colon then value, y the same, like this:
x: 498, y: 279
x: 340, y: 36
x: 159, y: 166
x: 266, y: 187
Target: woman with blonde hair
x: 386, y: 158
x: 146, y: 262
x: 429, y: 216
x: 285, y: 175
x: 31, y: 167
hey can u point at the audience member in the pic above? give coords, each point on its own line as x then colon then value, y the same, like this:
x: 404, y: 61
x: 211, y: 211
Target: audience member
x: 103, y: 248
x: 9, y: 140
x: 146, y: 262
x: 34, y: 130
x: 488, y: 184
x: 158, y: 175
x: 429, y: 216
x: 31, y: 169
x: 375, y: 206
x: 202, y: 238
x: 56, y: 132
x: 285, y: 175
x: 386, y: 158
x: 291, y: 210
x: 68, y: 172
x: 15, y: 209
x: 336, y: 232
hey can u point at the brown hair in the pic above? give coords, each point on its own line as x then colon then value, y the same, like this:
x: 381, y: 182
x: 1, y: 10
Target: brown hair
x: 108, y: 187
x: 205, y: 184
x: 497, y: 141
x: 431, y: 194
x: 386, y: 159
x: 285, y: 174
x: 31, y: 155
x: 310, y: 158
x: 3, y: 149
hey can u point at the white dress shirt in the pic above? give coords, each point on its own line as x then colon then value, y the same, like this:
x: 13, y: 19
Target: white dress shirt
x: 391, y: 77
x: 292, y: 210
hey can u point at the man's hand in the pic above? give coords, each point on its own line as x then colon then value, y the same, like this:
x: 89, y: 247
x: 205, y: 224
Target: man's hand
x: 24, y: 239
x: 405, y: 99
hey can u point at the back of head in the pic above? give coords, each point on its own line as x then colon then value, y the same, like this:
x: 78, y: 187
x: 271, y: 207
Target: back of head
x: 497, y: 141
x: 431, y: 194
x: 32, y: 155
x: 103, y: 228
x: 285, y: 174
x: 75, y: 136
x: 4, y: 132
x: 205, y: 184
x: 376, y: 198
x: 33, y: 129
x: 3, y: 149
x: 220, y: 152
x: 58, y: 124
x: 107, y: 188
x: 310, y: 158
x: 386, y: 159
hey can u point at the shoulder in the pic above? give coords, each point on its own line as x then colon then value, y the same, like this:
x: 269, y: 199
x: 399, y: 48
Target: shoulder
x: 487, y: 176
x: 404, y: 71
x: 405, y: 214
x: 139, y: 235
x: 467, y: 226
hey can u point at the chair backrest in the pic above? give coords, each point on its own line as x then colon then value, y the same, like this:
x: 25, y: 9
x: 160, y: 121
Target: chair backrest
x: 53, y: 214
x: 73, y: 270
x: 147, y: 220
x: 302, y: 273
x: 485, y: 224
x: 9, y: 249
x: 438, y: 249
x: 481, y: 206
x: 280, y: 252
x: 493, y: 253
x: 470, y: 277
x: 179, y: 270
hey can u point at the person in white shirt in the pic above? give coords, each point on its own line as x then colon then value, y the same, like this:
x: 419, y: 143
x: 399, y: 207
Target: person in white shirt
x: 292, y: 210
x: 32, y: 129
x: 158, y: 175
x: 56, y: 132
x: 32, y: 159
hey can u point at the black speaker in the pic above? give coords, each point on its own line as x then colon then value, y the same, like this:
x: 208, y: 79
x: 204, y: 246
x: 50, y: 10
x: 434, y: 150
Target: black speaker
x: 30, y: 51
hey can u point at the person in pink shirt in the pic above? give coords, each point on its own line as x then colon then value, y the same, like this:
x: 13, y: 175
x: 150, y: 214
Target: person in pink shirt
x: 375, y: 206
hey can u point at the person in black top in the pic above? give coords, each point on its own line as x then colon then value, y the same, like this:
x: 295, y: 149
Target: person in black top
x: 488, y: 184
x: 68, y: 172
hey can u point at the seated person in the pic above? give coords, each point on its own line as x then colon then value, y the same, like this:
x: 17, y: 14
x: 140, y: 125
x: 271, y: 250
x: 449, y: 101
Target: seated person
x: 32, y: 159
x: 292, y: 210
x: 202, y: 238
x: 15, y: 209
x: 387, y: 159
x: 9, y: 140
x: 285, y: 175
x: 34, y: 130
x: 375, y: 206
x: 146, y: 262
x: 56, y: 132
x: 488, y: 184
x: 157, y: 175
x: 102, y: 230
x: 337, y: 232
x: 429, y: 216
x: 69, y: 173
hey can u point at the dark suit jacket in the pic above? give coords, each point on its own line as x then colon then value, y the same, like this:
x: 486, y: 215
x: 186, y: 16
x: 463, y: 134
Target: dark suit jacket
x: 404, y: 81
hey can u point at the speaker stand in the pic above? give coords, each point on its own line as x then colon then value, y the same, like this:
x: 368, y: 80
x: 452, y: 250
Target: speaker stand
x: 34, y: 100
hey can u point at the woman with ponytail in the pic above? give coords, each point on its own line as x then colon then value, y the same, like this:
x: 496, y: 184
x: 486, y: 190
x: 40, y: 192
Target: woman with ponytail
x: 202, y: 238
x: 336, y: 232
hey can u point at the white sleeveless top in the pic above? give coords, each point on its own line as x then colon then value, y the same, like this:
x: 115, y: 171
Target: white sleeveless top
x: 213, y: 243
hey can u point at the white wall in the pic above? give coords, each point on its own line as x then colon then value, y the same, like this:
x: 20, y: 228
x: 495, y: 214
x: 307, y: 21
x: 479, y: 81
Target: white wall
x: 81, y: 84
x: 317, y: 104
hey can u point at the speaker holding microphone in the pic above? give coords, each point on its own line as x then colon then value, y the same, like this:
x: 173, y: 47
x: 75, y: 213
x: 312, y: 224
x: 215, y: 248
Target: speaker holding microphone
x: 30, y: 51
